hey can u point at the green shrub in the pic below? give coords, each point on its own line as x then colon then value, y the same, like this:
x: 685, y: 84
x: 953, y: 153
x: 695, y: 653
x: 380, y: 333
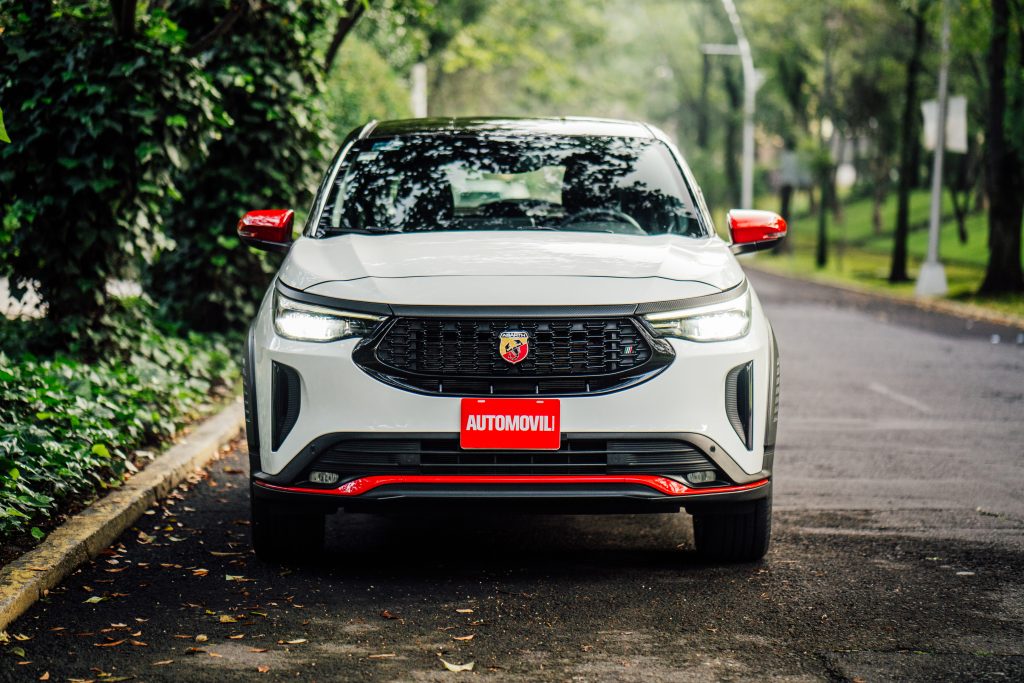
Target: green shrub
x: 270, y: 84
x: 70, y: 428
x: 100, y: 125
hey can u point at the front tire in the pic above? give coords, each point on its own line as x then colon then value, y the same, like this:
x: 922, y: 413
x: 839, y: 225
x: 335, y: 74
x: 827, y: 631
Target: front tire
x: 282, y: 533
x: 740, y: 535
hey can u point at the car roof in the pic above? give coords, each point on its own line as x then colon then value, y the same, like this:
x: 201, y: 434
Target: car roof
x: 512, y: 126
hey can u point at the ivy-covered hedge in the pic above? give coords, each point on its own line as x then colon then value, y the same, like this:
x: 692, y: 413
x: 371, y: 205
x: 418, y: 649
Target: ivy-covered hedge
x: 69, y: 427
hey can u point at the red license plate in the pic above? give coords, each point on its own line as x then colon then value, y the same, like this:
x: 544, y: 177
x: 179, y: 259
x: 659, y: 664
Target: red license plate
x: 511, y: 424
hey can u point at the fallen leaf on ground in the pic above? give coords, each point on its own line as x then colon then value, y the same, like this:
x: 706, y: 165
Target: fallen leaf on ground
x: 257, y: 649
x: 469, y: 637
x: 113, y: 643
x: 297, y: 641
x: 214, y: 654
x: 22, y: 637
x: 163, y: 662
x: 138, y: 643
x: 201, y: 638
x: 388, y: 615
x: 218, y: 553
x: 383, y: 655
x: 45, y: 676
x: 94, y: 599
x: 235, y: 577
x: 464, y: 611
x: 144, y: 538
x: 263, y: 668
x: 227, y: 619
x: 458, y: 667
x: 200, y: 572
x: 39, y: 569
x: 194, y: 650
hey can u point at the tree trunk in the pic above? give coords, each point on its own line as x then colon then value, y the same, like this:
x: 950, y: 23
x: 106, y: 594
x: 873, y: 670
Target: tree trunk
x: 702, y: 110
x: 123, y: 12
x: 908, y: 152
x: 346, y: 22
x: 732, y: 134
x: 1005, y: 175
x: 821, y: 249
x: 878, y: 196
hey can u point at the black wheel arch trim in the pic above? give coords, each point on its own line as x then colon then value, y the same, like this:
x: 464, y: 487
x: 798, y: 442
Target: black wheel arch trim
x: 249, y: 400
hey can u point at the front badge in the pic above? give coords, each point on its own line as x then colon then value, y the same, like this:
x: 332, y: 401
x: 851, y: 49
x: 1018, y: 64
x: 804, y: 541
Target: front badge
x: 514, y: 346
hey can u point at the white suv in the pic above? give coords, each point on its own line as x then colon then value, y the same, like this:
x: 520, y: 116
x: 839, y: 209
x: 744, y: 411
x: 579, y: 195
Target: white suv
x: 578, y: 339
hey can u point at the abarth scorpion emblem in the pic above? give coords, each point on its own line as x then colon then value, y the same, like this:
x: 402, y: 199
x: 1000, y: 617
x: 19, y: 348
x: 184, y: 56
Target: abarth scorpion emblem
x: 514, y: 345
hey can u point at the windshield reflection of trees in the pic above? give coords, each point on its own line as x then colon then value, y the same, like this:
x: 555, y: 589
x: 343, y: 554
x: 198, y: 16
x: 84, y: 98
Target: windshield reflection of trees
x: 609, y: 184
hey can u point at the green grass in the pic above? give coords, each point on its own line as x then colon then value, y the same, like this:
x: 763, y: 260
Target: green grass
x: 859, y: 256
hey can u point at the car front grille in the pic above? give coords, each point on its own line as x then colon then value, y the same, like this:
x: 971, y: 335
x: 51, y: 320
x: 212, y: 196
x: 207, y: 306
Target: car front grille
x: 556, y: 347
x: 566, y: 356
x: 362, y: 457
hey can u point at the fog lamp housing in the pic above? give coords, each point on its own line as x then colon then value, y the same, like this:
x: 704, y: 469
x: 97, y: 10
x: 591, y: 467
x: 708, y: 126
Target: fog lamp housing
x: 702, y: 477
x: 318, y: 477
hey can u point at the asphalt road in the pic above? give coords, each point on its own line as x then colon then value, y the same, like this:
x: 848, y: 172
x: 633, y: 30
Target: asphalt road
x: 898, y: 552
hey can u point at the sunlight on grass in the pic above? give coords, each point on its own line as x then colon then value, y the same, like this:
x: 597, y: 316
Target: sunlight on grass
x: 860, y: 256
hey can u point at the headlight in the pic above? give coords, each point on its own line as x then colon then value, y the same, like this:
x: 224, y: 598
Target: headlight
x: 306, y: 322
x: 718, y: 322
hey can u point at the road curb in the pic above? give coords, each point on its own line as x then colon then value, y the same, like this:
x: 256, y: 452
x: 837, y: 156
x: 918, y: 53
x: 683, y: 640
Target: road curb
x: 951, y: 308
x: 85, y: 535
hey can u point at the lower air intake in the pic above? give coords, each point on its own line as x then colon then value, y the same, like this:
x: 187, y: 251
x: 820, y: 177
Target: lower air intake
x: 739, y: 402
x: 285, y: 406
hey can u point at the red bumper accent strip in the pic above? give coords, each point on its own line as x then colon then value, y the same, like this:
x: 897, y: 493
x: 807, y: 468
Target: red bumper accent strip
x: 665, y: 485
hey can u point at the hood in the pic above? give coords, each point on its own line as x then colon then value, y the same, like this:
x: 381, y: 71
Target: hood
x: 499, y: 268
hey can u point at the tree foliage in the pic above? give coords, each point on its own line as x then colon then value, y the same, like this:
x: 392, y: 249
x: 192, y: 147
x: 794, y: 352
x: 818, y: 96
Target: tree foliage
x: 102, y: 127
x: 269, y: 79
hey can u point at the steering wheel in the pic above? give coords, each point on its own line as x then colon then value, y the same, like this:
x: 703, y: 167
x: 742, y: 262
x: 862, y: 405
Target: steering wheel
x: 615, y: 214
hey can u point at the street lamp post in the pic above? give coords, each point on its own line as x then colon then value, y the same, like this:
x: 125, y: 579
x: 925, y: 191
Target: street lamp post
x: 931, y: 281
x: 750, y: 84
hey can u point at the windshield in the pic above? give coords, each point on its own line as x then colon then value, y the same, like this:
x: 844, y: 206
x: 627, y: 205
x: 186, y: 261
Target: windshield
x: 433, y: 182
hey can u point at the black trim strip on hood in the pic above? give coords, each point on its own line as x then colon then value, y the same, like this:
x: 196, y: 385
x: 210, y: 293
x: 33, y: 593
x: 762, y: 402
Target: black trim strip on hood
x: 570, y: 311
x: 695, y: 301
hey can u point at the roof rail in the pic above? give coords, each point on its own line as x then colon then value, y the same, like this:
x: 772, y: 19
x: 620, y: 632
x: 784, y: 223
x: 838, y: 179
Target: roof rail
x: 368, y: 128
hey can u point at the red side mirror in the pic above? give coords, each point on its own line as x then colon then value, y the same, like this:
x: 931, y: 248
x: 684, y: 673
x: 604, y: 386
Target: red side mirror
x: 269, y: 229
x: 755, y: 230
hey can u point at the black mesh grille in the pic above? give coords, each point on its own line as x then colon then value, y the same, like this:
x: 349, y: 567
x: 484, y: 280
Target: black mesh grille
x: 557, y: 347
x: 361, y: 457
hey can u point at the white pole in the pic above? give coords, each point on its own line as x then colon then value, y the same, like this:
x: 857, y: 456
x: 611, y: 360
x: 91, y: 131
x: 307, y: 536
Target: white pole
x: 749, y: 104
x: 931, y: 281
x: 419, y: 90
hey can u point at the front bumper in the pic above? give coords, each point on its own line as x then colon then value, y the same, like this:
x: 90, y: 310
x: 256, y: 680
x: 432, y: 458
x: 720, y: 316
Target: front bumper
x: 686, y: 401
x: 577, y: 494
